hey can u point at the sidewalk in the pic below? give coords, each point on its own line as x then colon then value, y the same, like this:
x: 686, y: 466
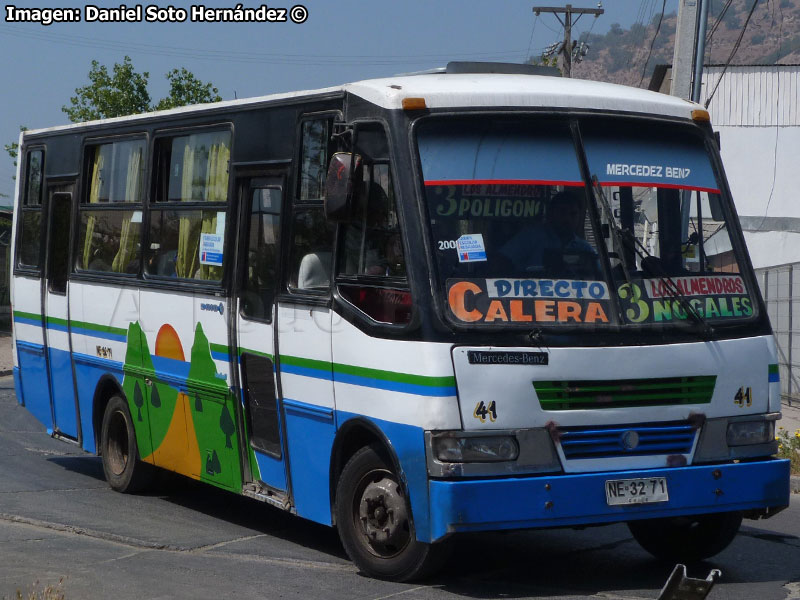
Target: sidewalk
x: 6, y: 360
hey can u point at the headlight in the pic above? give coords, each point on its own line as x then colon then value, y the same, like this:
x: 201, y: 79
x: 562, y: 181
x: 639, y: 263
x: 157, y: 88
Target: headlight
x: 475, y: 449
x: 742, y: 433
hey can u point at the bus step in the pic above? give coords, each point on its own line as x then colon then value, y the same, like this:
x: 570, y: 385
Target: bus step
x: 681, y: 587
x: 267, y: 494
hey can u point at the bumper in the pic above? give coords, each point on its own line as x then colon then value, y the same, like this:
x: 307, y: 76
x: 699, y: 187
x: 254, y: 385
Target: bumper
x: 560, y: 500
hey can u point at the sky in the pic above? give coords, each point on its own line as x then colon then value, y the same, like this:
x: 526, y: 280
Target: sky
x: 340, y: 41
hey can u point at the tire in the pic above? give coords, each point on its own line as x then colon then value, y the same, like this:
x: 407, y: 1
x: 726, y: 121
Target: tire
x: 373, y: 516
x: 123, y: 469
x: 687, y: 539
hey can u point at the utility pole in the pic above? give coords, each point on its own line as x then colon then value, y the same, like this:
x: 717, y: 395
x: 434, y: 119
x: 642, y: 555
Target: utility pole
x: 687, y: 58
x: 567, y: 24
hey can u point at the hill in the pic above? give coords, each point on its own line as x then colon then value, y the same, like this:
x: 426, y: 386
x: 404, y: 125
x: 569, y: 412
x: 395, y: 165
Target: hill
x: 772, y: 36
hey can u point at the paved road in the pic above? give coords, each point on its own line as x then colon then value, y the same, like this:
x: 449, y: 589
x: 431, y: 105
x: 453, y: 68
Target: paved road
x: 59, y: 519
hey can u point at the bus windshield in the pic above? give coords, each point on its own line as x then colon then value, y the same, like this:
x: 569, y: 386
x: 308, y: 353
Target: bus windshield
x: 521, y: 236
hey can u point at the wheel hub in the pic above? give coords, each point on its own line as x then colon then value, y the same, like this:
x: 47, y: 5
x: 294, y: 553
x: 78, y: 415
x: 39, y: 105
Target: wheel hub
x: 383, y: 514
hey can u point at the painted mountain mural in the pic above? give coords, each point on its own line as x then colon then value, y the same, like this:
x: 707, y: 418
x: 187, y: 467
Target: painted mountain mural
x: 183, y: 412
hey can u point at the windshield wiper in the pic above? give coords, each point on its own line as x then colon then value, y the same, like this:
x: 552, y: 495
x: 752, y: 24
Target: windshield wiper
x: 628, y: 239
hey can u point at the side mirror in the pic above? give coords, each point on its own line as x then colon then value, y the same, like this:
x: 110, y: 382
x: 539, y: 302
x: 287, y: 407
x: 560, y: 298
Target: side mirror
x: 344, y: 176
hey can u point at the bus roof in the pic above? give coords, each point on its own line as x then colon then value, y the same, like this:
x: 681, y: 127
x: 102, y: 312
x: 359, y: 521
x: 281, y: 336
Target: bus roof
x: 442, y: 90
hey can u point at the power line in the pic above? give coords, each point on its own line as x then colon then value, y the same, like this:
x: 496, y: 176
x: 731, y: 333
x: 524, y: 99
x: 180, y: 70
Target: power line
x: 733, y: 51
x: 652, y: 43
x: 234, y: 56
x: 530, y: 41
x: 718, y: 21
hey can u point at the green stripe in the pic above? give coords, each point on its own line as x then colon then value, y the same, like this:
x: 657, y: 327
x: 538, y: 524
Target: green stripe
x: 220, y: 348
x: 308, y: 363
x: 425, y: 380
x: 256, y: 352
x: 97, y: 327
x: 773, y: 369
x: 73, y: 323
x: 27, y: 315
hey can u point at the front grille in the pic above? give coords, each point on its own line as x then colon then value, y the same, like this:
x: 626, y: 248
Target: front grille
x: 605, y: 442
x: 620, y: 393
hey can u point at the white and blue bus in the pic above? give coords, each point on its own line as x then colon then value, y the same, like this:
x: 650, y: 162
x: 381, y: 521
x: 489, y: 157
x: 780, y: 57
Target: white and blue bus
x: 407, y: 307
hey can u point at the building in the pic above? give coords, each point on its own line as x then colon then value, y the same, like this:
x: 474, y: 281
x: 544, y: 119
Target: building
x: 756, y: 111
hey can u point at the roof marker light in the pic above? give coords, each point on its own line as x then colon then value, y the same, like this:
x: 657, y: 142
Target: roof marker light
x: 701, y: 115
x: 414, y: 104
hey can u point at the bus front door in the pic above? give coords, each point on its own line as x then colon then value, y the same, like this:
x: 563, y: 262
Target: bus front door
x: 56, y: 315
x: 259, y: 249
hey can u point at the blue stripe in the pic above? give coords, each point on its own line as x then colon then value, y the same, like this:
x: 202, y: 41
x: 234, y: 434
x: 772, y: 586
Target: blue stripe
x: 380, y: 384
x: 774, y: 377
x: 115, y: 337
x: 308, y: 410
x: 27, y: 321
x: 395, y: 386
x: 97, y: 361
x: 307, y: 372
x: 219, y: 355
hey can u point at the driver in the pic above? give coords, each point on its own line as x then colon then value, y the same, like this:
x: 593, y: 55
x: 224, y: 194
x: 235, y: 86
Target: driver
x: 528, y: 250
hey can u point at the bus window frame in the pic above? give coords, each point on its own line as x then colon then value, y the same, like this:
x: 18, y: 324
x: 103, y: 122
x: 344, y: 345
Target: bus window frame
x: 24, y: 154
x: 293, y: 204
x: 223, y: 285
x: 565, y: 118
x: 81, y: 193
x: 379, y: 281
x: 242, y: 247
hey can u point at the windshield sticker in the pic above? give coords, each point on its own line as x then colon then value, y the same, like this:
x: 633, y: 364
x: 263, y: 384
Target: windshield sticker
x: 547, y: 288
x: 470, y: 248
x: 487, y: 201
x: 695, y: 286
x: 470, y: 301
x: 665, y: 300
x: 664, y: 163
x: 211, y: 249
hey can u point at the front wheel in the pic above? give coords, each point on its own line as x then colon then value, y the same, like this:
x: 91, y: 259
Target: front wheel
x: 373, y: 516
x: 687, y: 539
x: 123, y: 469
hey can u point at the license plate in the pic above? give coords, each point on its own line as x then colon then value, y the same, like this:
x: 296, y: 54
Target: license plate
x: 636, y: 491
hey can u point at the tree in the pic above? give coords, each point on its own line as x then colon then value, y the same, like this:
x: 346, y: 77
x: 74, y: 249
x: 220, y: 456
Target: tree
x: 185, y: 88
x: 13, y: 150
x: 123, y: 93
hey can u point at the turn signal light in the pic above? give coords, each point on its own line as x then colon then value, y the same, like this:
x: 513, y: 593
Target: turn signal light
x: 414, y: 104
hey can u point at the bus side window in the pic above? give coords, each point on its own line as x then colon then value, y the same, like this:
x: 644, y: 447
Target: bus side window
x: 30, y: 231
x: 189, y: 208
x: 311, y: 236
x: 311, y: 251
x: 258, y: 289
x: 371, y: 270
x: 372, y: 241
x: 315, y: 149
x: 111, y: 210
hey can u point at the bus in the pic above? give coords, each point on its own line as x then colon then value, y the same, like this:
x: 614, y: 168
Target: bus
x: 476, y: 299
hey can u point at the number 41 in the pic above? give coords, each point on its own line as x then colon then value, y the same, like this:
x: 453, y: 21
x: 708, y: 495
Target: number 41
x: 482, y: 411
x: 744, y: 397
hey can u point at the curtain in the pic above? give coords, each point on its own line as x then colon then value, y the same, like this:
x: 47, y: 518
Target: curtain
x: 208, y: 184
x: 216, y: 191
x: 94, y: 198
x: 185, y: 262
x: 129, y: 231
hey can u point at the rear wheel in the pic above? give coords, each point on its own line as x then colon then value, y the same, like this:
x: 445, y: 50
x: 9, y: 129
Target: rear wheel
x: 373, y: 516
x: 687, y: 539
x: 123, y: 469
